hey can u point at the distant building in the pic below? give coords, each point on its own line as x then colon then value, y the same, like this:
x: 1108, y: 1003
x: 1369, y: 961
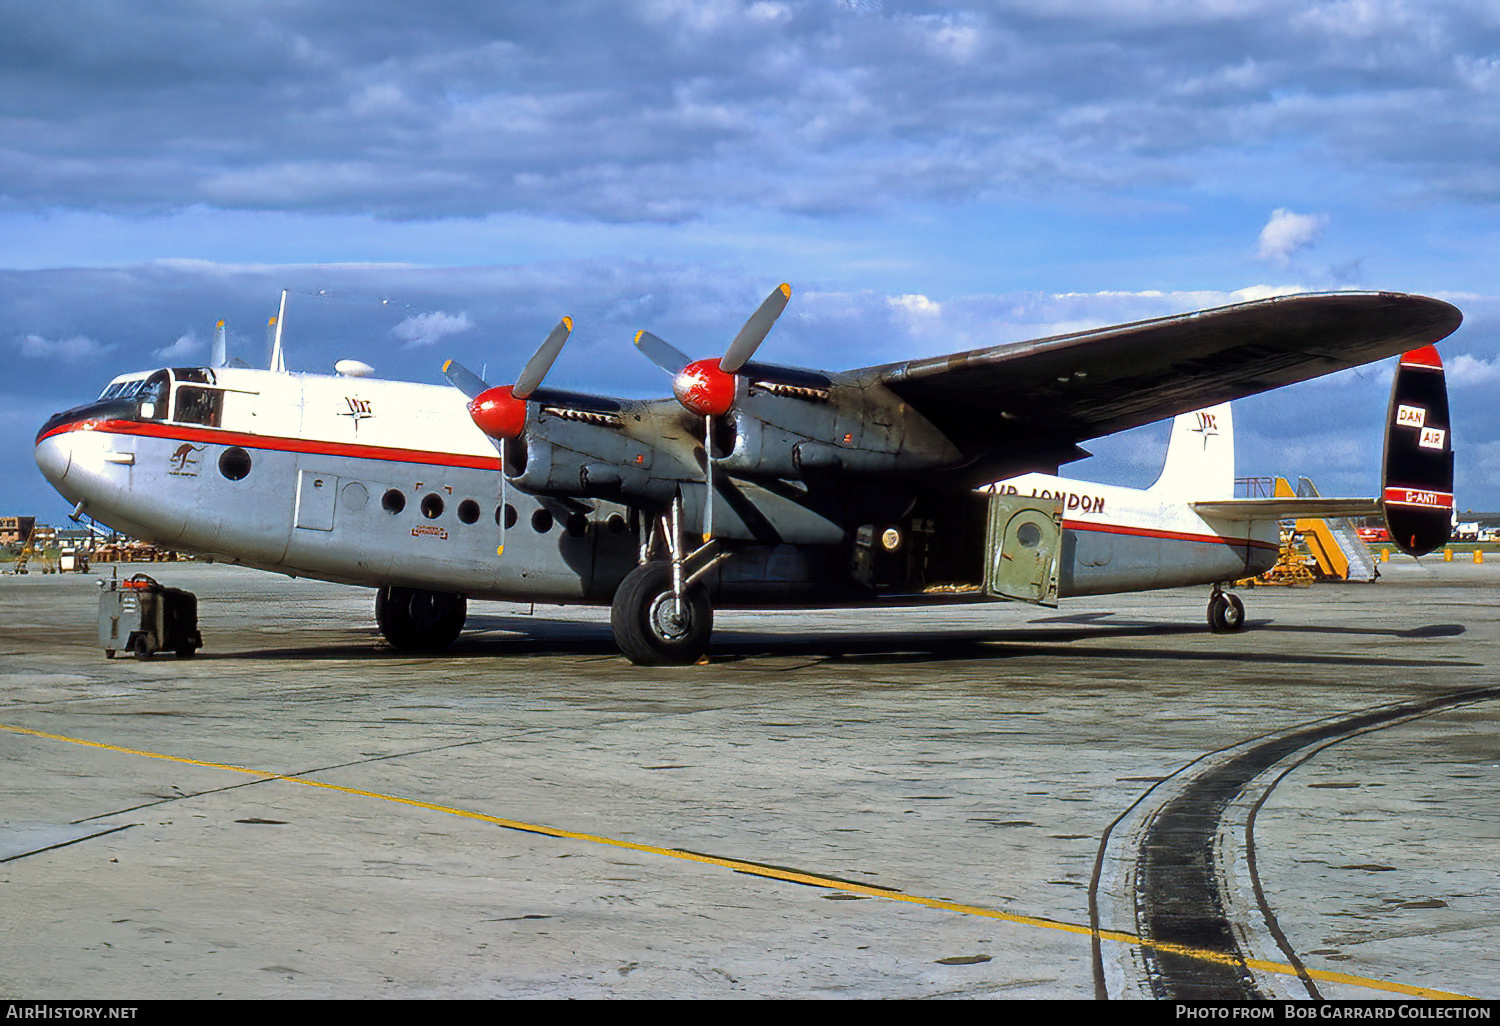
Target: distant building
x: 15, y: 529
x: 1475, y: 526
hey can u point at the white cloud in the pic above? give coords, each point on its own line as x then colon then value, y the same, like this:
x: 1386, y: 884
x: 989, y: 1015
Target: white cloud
x: 916, y: 305
x: 76, y: 348
x: 1287, y: 233
x: 1465, y: 371
x: 425, y: 329
x: 475, y: 112
x: 185, y: 346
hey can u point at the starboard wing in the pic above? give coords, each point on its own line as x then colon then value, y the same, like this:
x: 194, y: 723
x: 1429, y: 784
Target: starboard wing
x: 1027, y: 405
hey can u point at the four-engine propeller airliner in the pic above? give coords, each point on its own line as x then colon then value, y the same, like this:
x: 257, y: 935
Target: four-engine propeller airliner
x: 757, y: 484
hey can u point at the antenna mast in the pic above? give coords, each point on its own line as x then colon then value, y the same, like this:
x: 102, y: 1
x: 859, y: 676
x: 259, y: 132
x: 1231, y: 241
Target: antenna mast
x: 278, y: 359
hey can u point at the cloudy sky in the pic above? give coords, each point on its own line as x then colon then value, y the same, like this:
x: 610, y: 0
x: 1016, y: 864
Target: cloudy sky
x: 448, y: 179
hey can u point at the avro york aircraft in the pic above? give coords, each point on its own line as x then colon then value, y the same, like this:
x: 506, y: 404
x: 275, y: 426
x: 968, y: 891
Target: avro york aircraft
x: 757, y: 485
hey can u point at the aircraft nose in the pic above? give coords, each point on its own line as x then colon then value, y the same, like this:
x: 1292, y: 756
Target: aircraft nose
x: 54, y: 456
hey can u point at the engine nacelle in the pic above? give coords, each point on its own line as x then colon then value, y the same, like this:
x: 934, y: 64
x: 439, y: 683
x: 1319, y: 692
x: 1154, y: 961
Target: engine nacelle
x: 559, y: 457
x: 846, y: 430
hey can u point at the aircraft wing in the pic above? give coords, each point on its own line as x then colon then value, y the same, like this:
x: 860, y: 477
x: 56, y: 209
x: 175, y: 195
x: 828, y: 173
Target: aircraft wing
x: 1289, y: 508
x: 1026, y: 405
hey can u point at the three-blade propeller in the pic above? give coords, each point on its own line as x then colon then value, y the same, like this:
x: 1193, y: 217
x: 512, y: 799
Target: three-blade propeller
x: 500, y: 412
x: 708, y: 387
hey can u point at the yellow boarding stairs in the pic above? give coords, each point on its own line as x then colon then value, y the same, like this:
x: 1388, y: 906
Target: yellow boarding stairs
x: 1336, y: 551
x: 1340, y: 553
x: 26, y: 552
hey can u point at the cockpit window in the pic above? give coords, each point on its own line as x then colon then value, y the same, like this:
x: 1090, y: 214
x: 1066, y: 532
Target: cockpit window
x: 123, y: 389
x: 197, y: 405
x: 153, y: 396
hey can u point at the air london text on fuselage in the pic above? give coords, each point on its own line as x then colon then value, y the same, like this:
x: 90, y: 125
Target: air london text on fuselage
x: 1071, y: 500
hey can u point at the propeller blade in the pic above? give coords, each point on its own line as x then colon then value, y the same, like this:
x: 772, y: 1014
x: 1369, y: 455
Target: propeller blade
x: 501, y: 513
x: 463, y: 379
x: 541, y: 362
x: 663, y: 354
x: 708, y: 479
x: 755, y: 330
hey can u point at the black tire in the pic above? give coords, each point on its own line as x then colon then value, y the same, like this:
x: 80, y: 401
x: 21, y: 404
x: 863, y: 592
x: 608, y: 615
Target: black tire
x: 415, y: 620
x: 642, y: 621
x: 1226, y: 614
x: 1234, y: 613
x: 141, y: 647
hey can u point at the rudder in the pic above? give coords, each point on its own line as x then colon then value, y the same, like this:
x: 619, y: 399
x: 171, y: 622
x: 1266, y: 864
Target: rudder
x: 1417, y: 475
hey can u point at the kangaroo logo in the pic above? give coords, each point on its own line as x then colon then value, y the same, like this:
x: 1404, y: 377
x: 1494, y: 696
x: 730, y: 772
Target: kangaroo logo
x: 185, y: 461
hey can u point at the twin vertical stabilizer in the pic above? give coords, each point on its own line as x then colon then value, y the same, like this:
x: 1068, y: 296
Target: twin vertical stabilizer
x: 1417, y: 479
x: 1200, y: 457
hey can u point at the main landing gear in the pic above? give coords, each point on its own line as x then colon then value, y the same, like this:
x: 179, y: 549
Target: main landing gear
x: 414, y: 620
x: 661, y: 614
x: 1226, y: 613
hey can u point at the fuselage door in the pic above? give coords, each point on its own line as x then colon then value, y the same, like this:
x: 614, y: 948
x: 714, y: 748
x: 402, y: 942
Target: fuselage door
x: 1023, y: 549
x: 316, y: 495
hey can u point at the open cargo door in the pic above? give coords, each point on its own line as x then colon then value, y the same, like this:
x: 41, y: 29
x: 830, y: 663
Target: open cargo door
x: 1023, y: 549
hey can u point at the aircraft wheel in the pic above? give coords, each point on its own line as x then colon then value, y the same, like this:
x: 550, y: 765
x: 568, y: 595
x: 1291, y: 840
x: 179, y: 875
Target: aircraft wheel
x: 645, y: 626
x: 1226, y: 613
x: 415, y: 620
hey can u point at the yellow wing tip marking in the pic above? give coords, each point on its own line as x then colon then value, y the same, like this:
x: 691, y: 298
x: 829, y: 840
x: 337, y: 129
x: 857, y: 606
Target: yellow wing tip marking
x: 638, y: 335
x: 568, y: 323
x: 786, y: 290
x: 446, y: 365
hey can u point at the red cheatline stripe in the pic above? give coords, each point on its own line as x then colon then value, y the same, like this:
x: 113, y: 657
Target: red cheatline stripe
x: 1148, y: 532
x: 215, y: 436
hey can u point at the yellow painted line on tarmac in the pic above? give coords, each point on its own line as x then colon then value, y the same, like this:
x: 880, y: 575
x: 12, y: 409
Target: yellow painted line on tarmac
x: 776, y: 873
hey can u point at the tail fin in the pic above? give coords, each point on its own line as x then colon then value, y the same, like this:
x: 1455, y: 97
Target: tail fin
x: 1200, y: 457
x: 1417, y: 479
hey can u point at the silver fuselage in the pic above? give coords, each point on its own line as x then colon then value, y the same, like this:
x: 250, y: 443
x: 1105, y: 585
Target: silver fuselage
x: 371, y: 482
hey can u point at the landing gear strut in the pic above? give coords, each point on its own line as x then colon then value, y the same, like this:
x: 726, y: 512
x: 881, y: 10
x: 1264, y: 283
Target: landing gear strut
x: 1226, y: 613
x: 661, y: 614
x: 415, y: 620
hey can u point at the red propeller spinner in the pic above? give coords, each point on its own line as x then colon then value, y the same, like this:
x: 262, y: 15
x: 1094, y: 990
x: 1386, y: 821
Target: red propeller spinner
x: 707, y: 387
x: 704, y: 388
x: 498, y: 412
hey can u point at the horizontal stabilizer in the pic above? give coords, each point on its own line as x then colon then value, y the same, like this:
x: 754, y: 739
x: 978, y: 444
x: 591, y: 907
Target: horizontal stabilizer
x: 1288, y: 508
